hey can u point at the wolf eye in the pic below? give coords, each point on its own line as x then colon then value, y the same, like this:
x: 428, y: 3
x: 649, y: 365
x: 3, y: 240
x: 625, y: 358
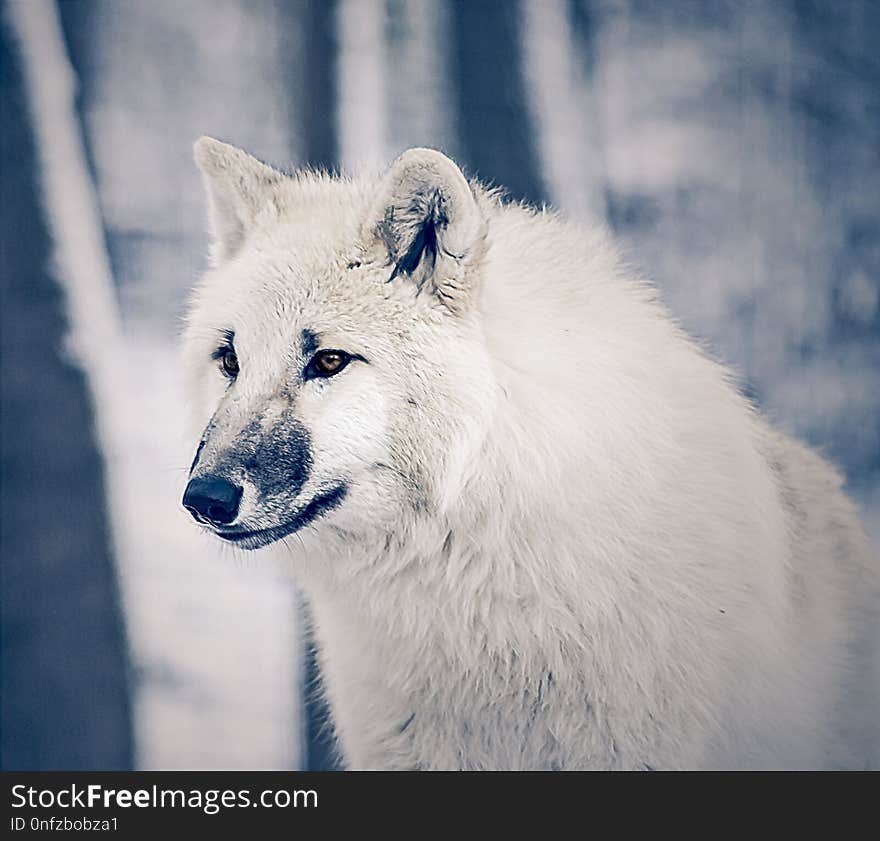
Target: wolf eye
x: 326, y: 363
x: 229, y: 362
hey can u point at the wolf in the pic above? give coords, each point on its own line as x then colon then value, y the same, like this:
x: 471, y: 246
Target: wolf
x: 538, y: 525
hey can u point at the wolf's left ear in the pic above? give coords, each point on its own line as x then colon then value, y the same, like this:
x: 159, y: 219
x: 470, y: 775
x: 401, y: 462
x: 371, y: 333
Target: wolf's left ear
x: 428, y: 219
x: 238, y: 186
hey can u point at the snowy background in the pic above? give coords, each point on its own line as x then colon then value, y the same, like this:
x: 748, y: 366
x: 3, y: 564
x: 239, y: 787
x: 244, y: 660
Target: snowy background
x: 733, y: 147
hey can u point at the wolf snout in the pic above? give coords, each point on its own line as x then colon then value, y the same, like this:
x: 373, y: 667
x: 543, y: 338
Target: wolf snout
x: 212, y: 499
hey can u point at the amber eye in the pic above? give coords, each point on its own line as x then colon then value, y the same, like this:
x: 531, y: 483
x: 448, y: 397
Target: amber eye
x: 326, y: 363
x: 229, y: 361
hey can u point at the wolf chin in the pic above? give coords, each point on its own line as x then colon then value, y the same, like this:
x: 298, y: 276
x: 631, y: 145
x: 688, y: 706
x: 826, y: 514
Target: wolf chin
x: 537, y: 525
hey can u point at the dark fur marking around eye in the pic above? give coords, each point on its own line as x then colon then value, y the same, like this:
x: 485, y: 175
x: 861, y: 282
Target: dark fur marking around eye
x: 311, y: 371
x: 227, y: 343
x: 309, y: 343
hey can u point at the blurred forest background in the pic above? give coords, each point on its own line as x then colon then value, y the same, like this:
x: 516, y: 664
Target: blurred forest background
x: 732, y: 147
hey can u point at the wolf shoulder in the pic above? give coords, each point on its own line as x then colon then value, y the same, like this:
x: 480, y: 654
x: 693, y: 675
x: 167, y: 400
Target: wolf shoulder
x: 831, y: 551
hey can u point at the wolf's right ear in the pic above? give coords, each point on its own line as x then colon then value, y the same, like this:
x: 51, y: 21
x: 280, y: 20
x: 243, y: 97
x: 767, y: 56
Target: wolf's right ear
x: 237, y: 186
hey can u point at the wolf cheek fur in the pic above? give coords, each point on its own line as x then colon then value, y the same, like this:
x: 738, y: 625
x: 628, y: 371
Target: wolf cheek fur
x: 564, y: 540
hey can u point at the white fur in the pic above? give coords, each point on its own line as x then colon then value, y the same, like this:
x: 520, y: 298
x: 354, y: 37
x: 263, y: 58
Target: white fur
x: 568, y: 541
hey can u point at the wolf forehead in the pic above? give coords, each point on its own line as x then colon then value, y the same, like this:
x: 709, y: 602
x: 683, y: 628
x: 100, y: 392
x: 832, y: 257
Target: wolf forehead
x: 309, y: 232
x: 303, y: 246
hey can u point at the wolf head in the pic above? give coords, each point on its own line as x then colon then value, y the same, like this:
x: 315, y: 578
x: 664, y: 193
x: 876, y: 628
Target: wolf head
x: 335, y: 347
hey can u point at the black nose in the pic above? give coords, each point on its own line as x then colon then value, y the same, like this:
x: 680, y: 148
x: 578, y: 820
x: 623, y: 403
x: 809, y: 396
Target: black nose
x: 212, y: 499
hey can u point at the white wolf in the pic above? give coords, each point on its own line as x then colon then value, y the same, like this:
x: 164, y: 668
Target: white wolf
x: 538, y: 526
